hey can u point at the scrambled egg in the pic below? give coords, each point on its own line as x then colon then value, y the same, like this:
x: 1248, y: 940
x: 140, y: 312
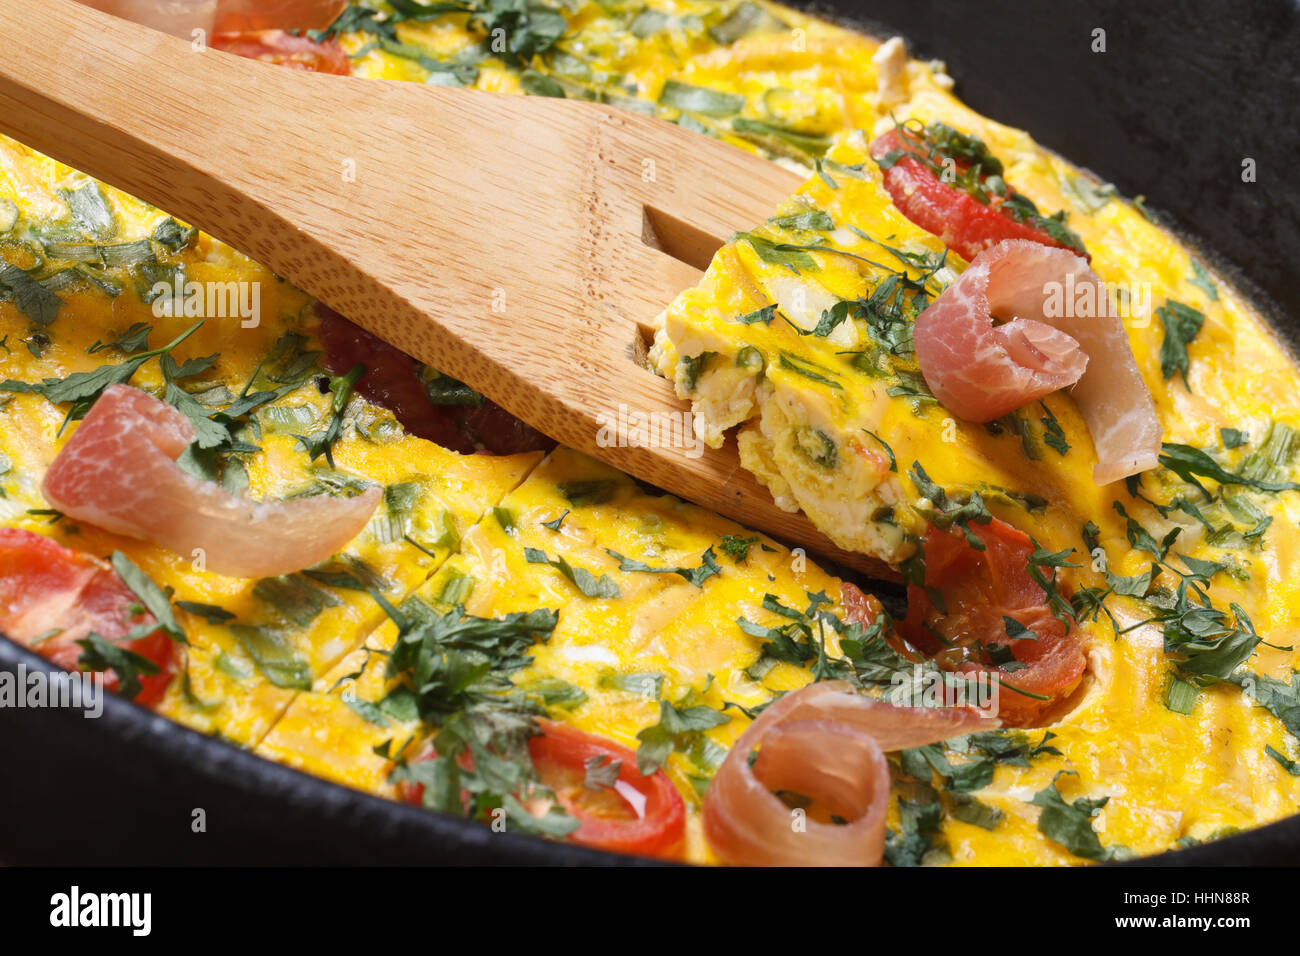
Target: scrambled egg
x: 294, y: 667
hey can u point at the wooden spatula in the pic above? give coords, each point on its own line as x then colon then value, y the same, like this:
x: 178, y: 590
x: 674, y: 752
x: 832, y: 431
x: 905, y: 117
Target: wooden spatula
x: 520, y: 244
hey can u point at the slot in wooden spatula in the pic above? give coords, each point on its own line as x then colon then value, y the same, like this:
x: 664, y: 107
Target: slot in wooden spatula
x: 520, y: 244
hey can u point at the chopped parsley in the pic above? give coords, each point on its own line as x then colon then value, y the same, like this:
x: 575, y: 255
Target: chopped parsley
x: 764, y: 315
x: 700, y: 99
x: 946, y: 511
x: 1190, y: 463
x: 737, y: 546
x: 82, y: 389
x: 1279, y: 698
x: 453, y: 672
x: 680, y: 728
x: 32, y: 299
x: 801, y: 642
x: 554, y: 692
x: 273, y: 653
x: 1233, y: 438
x: 1201, y: 279
x: 294, y: 598
x: 646, y: 684
x: 919, y: 831
x: 209, y: 612
x: 322, y: 443
x: 99, y: 654
x: 1070, y: 824
x: 152, y: 598
x: 1181, y: 696
x: 1053, y: 433
x: 587, y: 492
x: 893, y: 461
x: 586, y: 582
x: 707, y: 568
x: 172, y: 236
x: 1181, y: 324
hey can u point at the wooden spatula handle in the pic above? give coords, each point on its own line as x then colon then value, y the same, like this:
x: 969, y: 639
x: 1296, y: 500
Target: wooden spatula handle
x: 498, y: 238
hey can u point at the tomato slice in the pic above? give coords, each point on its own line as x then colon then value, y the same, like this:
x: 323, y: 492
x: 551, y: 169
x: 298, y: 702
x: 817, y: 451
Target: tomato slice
x: 956, y: 215
x: 978, y: 590
x: 392, y: 380
x: 237, y: 15
x: 859, y: 607
x: 52, y: 596
x: 638, y: 814
x: 285, y: 49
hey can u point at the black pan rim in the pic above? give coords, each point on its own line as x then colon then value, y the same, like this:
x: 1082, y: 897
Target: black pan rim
x: 157, y: 739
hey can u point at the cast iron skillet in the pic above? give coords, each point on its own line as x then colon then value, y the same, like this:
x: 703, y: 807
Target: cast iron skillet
x: 1183, y: 94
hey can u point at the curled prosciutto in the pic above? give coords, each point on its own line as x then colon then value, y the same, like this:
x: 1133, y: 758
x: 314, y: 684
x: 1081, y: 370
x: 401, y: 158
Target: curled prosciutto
x: 826, y: 743
x: 119, y: 472
x: 1052, y: 337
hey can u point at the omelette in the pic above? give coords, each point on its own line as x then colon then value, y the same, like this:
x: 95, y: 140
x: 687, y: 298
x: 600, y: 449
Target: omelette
x: 254, y: 518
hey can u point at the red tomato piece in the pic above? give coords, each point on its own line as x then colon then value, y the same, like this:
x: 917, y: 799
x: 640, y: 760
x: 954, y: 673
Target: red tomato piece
x: 52, y: 596
x: 234, y: 16
x: 393, y: 381
x: 285, y: 49
x: 966, y: 225
x: 859, y: 607
x: 638, y: 814
x: 979, y: 589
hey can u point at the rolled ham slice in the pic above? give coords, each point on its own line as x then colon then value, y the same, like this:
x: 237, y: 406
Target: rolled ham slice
x: 981, y: 371
x: 827, y: 742
x: 118, y: 471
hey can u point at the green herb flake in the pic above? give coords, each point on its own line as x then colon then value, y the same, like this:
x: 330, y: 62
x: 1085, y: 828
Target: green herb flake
x: 32, y: 299
x: 1070, y: 824
x: 1181, y: 324
x: 1201, y: 279
x: 763, y: 315
x: 969, y: 809
x: 589, y: 584
x: 707, y: 568
x: 154, y: 600
x: 90, y: 210
x: 365, y: 709
x: 555, y: 523
x: 699, y: 99
x: 677, y: 729
x: 209, y: 612
x: 99, y: 654
x: 588, y: 492
x: 1181, y: 697
x: 274, y: 656
x: 1053, y: 433
x: 554, y: 692
x: 645, y: 684
x: 737, y: 546
x: 1233, y: 438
